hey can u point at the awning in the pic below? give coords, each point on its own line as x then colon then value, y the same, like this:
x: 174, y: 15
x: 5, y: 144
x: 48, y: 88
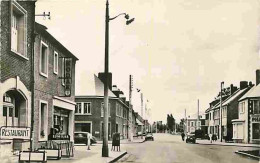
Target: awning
x: 139, y: 122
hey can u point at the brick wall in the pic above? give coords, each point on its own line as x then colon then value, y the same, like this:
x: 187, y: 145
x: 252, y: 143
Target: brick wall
x: 13, y: 65
x: 52, y: 84
x: 95, y: 116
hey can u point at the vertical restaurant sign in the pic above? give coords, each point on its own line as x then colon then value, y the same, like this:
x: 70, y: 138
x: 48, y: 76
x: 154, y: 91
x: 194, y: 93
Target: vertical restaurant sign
x: 67, y: 76
x: 7, y: 133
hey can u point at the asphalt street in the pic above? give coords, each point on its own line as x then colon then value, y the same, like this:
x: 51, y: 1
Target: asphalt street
x: 170, y: 148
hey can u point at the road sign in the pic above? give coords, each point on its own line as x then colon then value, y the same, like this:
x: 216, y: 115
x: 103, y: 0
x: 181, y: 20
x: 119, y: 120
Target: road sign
x: 12, y: 132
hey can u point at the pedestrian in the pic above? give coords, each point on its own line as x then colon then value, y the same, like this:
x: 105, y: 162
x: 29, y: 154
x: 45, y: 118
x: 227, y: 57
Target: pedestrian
x: 210, y: 137
x: 89, y: 137
x: 182, y: 136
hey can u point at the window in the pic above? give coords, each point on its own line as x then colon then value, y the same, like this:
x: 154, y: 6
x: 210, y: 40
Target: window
x: 43, y: 120
x: 78, y: 108
x: 62, y: 71
x: 4, y: 111
x: 241, y: 107
x: 116, y: 109
x: 18, y: 29
x: 44, y: 59
x: 191, y: 124
x: 87, y: 108
x: 256, y: 107
x: 55, y: 62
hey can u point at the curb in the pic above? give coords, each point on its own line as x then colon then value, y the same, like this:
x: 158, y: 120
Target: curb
x: 117, y: 158
x: 229, y: 145
x: 248, y: 155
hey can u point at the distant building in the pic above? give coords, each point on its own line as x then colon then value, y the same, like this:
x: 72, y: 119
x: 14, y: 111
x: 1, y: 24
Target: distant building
x: 195, y: 122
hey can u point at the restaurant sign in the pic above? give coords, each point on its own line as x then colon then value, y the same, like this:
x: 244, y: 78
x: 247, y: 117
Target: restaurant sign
x: 9, y: 133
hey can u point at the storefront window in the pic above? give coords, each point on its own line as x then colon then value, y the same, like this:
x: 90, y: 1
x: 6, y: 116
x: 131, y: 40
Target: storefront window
x: 61, y: 120
x: 256, y: 130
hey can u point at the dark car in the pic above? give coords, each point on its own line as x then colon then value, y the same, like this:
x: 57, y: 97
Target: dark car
x: 149, y: 136
x: 191, y: 138
x: 82, y: 138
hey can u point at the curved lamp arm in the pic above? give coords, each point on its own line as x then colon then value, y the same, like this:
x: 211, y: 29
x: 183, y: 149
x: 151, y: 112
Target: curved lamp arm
x: 126, y: 16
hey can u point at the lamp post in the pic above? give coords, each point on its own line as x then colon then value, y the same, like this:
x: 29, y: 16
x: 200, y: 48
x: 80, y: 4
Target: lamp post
x: 105, y: 120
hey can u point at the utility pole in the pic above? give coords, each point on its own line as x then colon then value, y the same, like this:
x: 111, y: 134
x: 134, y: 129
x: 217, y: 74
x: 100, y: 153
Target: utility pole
x: 106, y: 100
x: 198, y: 118
x: 130, y: 131
x: 185, y: 123
x: 220, y: 126
x: 142, y: 127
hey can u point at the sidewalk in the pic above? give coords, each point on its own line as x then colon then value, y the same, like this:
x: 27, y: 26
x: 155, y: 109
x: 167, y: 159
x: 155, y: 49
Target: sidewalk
x: 207, y: 142
x: 82, y: 155
x: 126, y: 141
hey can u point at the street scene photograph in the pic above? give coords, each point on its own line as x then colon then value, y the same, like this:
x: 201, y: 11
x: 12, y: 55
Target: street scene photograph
x: 142, y: 81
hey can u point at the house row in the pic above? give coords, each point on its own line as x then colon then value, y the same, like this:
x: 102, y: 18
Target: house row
x: 234, y: 115
x: 37, y: 81
x: 89, y: 111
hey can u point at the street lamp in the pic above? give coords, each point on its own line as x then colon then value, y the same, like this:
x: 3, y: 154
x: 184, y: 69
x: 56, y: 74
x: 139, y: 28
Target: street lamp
x: 105, y: 131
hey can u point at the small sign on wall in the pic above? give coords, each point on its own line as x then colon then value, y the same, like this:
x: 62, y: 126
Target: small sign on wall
x: 96, y: 132
x: 9, y: 133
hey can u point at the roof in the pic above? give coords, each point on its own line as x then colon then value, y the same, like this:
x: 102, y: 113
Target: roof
x: 93, y: 87
x: 237, y: 93
x: 195, y: 116
x: 253, y: 92
x: 229, y: 99
x: 41, y: 29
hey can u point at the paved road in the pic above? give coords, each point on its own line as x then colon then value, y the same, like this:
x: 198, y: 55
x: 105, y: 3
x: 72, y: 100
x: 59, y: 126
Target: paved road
x: 170, y: 148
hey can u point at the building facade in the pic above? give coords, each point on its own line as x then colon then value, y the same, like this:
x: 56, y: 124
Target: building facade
x: 54, y: 88
x: 230, y: 97
x: 246, y: 128
x: 195, y: 122
x: 16, y: 51
x: 89, y: 112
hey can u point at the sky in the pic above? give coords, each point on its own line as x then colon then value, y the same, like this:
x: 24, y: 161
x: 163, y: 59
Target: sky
x: 178, y: 51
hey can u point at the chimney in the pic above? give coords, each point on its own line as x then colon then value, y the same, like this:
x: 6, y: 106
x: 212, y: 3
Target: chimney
x: 257, y: 77
x: 243, y: 84
x: 233, y: 89
x: 101, y: 76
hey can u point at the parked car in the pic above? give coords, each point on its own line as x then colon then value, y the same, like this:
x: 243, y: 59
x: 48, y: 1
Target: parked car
x: 82, y: 138
x: 149, y: 136
x: 191, y: 138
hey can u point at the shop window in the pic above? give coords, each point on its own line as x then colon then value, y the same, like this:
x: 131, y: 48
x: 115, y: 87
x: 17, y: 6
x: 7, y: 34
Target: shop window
x: 87, y: 108
x: 18, y: 29
x: 43, y: 120
x: 44, y: 59
x: 55, y: 62
x: 256, y: 131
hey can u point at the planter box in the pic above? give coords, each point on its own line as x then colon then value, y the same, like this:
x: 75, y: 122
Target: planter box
x: 33, y: 156
x: 52, y: 153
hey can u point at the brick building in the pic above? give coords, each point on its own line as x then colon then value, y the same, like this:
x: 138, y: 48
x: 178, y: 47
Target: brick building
x: 16, y: 49
x: 54, y: 95
x: 89, y: 110
x: 196, y: 122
